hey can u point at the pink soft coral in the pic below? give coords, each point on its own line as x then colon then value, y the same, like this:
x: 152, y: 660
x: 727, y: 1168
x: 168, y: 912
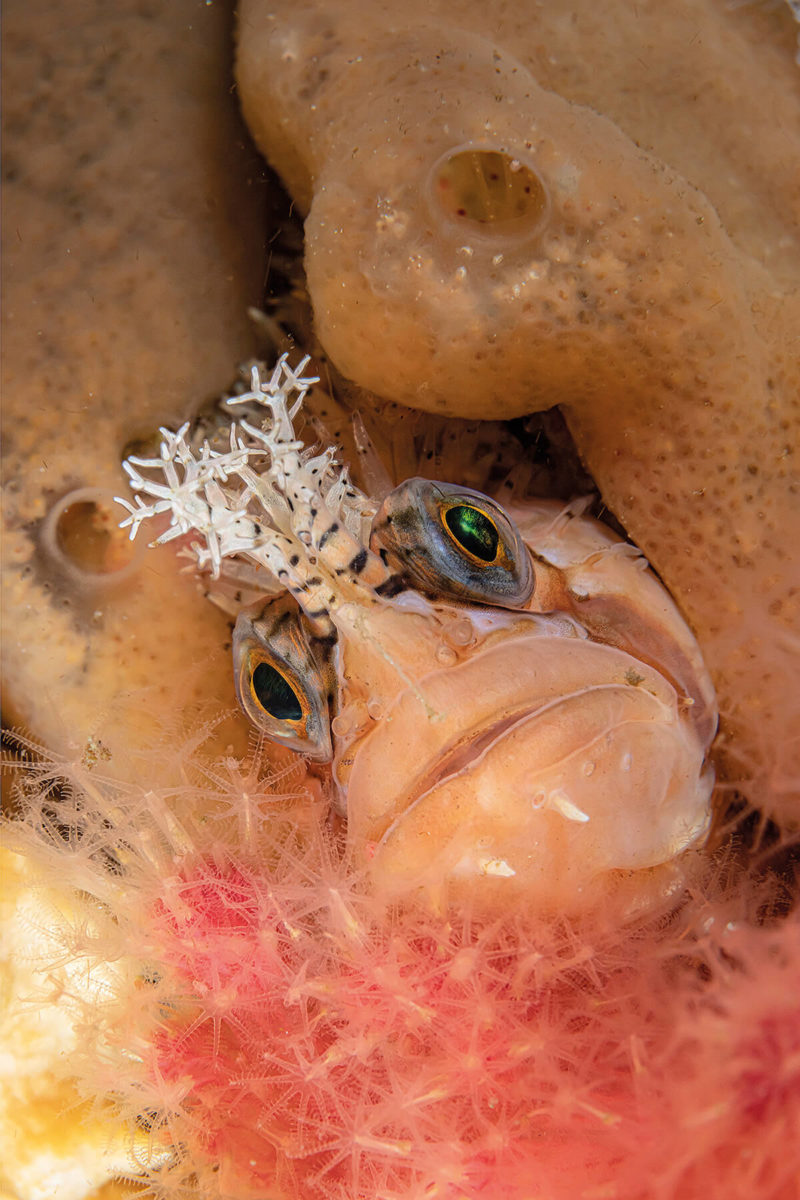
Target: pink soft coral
x: 279, y: 1037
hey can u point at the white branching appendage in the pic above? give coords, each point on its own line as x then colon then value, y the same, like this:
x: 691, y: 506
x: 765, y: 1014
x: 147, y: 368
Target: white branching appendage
x: 266, y: 499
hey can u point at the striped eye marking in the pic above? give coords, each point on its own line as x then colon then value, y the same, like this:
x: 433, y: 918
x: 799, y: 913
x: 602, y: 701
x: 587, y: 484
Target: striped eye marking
x: 449, y: 541
x: 284, y: 676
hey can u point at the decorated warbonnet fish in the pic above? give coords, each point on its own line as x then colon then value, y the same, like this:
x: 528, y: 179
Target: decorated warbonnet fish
x: 511, y: 703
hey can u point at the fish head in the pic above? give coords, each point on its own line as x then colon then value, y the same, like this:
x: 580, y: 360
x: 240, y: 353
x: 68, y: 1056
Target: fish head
x: 479, y: 747
x: 508, y: 716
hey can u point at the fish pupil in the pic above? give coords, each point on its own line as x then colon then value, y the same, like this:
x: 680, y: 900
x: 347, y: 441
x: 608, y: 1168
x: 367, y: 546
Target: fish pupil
x: 473, y: 530
x: 275, y: 695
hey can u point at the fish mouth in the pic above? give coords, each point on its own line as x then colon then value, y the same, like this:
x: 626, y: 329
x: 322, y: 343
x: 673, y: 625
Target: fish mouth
x: 455, y: 714
x: 472, y: 749
x: 497, y: 780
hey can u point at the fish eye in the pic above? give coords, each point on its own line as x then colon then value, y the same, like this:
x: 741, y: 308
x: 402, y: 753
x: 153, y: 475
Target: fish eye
x: 474, y: 531
x: 284, y: 677
x: 275, y: 694
x: 456, y: 542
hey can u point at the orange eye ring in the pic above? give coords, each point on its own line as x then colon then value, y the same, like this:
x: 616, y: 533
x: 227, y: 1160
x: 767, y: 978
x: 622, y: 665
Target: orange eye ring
x: 472, y: 530
x: 475, y: 533
x: 276, y: 694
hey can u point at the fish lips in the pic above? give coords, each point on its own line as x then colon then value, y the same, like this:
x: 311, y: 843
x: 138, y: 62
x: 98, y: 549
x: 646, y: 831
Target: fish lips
x: 537, y: 765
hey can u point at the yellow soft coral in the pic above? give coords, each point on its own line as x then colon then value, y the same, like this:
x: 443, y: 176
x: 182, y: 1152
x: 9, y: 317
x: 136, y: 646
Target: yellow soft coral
x: 53, y: 1144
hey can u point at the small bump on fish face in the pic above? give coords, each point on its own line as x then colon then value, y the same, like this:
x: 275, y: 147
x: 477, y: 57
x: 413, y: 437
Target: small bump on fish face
x: 454, y: 542
x: 284, y: 677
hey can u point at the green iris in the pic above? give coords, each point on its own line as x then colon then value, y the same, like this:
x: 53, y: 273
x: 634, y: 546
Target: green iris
x: 473, y: 530
x: 274, y: 694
